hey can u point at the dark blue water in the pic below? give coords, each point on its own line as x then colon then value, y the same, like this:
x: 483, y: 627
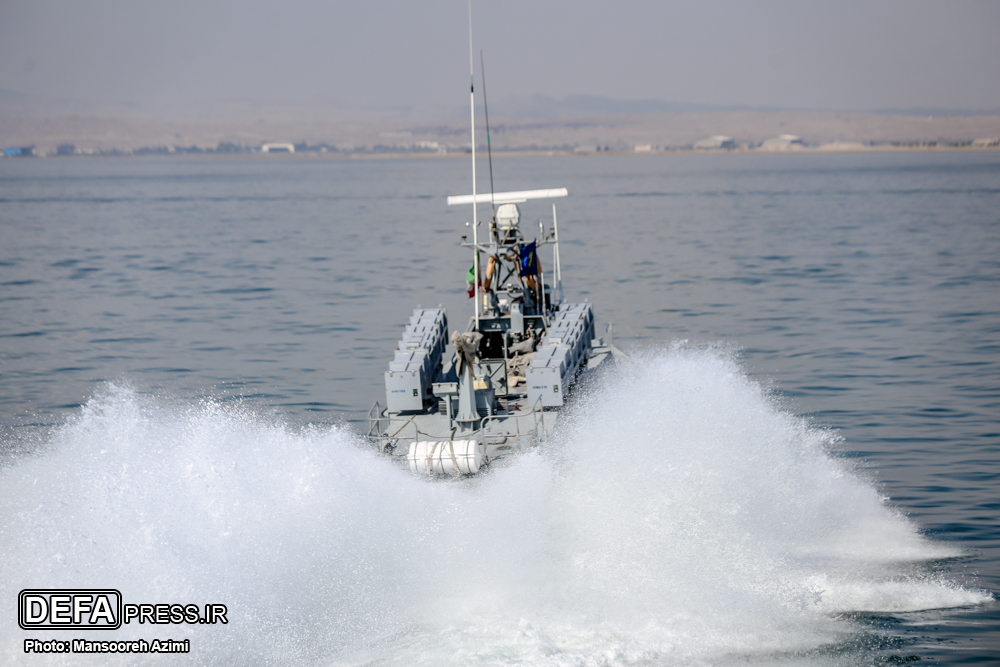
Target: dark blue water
x: 862, y: 292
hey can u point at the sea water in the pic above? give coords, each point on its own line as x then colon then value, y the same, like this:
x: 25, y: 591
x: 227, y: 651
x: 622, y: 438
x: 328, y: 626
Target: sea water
x: 800, y: 467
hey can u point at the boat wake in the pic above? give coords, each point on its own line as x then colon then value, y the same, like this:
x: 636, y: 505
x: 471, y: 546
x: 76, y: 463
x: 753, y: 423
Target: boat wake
x: 679, y: 517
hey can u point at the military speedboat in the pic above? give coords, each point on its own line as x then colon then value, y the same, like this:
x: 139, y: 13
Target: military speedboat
x: 453, y: 404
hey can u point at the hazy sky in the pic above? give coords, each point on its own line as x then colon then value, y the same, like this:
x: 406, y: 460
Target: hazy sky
x: 838, y: 54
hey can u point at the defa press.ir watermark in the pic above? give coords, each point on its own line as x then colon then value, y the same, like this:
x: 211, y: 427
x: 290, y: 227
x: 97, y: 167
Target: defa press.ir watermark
x: 103, y: 609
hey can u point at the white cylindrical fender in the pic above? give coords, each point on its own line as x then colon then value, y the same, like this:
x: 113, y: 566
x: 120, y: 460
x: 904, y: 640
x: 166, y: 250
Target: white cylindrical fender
x: 445, y: 457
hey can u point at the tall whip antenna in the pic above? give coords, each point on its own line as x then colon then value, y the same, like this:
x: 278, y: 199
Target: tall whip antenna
x: 472, y: 108
x: 489, y: 149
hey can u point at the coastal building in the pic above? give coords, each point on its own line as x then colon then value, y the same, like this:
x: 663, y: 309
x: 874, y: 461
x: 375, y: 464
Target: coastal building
x: 277, y: 148
x: 717, y: 141
x: 782, y: 142
x: 19, y: 151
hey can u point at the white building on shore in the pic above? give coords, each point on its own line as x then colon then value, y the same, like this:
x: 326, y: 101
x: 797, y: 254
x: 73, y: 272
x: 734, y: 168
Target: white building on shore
x: 783, y: 142
x: 716, y: 141
x: 277, y: 148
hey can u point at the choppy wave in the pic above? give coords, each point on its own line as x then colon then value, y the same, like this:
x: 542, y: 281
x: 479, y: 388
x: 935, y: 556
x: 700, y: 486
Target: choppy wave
x: 680, y: 517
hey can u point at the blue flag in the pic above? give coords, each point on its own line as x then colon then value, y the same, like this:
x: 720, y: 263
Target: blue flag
x: 529, y: 260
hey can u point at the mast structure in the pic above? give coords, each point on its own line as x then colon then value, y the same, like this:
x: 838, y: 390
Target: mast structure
x: 472, y: 122
x: 489, y: 148
x: 555, y: 253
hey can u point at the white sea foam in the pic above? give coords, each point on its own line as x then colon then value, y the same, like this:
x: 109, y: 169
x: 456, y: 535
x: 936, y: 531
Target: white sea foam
x: 680, y: 517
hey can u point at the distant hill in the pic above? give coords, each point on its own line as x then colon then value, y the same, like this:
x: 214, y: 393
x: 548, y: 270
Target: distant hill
x: 570, y: 132
x: 13, y: 102
x: 542, y: 106
x: 320, y: 110
x: 580, y: 123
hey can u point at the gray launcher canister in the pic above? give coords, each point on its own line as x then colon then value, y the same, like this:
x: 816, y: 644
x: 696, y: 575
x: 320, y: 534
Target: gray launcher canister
x: 561, y: 353
x: 417, y: 360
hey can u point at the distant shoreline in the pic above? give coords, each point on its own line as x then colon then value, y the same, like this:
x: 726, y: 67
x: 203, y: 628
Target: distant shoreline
x: 554, y: 153
x: 637, y: 134
x: 312, y: 156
